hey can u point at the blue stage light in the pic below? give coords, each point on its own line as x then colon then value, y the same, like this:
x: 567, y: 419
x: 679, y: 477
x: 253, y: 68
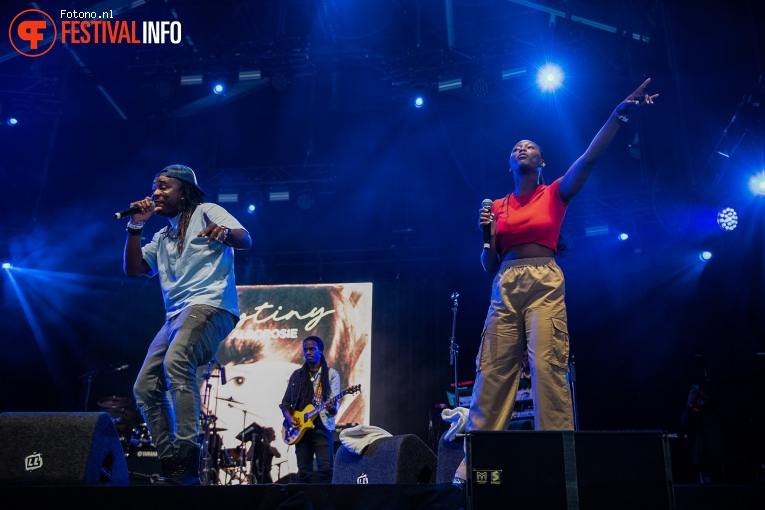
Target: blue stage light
x: 757, y: 184
x: 550, y: 77
x: 727, y: 218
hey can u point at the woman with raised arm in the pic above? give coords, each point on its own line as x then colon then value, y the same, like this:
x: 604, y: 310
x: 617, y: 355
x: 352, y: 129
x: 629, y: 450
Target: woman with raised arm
x: 527, y: 312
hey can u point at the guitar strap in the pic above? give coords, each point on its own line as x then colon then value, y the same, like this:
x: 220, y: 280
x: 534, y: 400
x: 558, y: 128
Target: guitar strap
x: 306, y: 395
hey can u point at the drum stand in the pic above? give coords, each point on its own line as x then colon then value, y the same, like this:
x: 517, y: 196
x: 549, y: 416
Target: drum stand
x: 279, y: 469
x: 207, y: 459
x: 238, y: 472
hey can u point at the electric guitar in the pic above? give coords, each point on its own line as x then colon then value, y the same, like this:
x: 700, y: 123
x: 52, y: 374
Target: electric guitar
x: 292, y: 435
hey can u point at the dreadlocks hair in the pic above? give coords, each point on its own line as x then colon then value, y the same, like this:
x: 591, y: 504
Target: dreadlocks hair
x: 324, y: 376
x: 190, y: 199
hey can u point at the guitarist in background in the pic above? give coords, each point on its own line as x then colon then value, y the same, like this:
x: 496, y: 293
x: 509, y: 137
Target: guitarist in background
x: 311, y: 385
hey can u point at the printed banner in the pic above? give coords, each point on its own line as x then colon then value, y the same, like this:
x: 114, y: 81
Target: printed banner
x: 265, y: 348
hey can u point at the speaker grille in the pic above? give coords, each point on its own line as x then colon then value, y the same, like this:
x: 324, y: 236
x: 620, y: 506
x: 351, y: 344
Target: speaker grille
x: 60, y: 449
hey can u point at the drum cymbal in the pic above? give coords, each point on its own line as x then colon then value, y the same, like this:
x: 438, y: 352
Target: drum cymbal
x: 120, y: 413
x: 229, y: 399
x: 114, y: 402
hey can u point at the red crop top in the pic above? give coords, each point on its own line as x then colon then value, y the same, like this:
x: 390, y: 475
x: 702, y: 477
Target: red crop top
x: 535, y: 217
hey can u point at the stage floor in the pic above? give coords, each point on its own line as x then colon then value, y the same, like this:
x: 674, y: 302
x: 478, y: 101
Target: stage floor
x: 328, y: 497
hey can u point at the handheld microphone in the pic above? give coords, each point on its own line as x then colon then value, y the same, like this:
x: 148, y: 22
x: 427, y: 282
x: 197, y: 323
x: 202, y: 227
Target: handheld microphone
x: 486, y: 204
x: 131, y: 211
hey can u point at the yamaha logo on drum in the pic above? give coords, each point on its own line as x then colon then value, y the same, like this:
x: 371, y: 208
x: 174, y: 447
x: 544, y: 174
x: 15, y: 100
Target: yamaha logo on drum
x: 363, y: 479
x: 34, y: 461
x: 146, y: 453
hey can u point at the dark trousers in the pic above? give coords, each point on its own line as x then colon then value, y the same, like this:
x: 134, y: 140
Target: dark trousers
x: 317, y: 442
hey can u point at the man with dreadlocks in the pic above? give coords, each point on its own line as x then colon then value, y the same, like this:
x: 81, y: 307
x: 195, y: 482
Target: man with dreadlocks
x: 314, y: 384
x: 194, y: 258
x: 527, y: 311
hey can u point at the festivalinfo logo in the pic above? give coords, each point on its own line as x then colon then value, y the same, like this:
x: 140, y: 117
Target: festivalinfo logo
x: 34, y: 32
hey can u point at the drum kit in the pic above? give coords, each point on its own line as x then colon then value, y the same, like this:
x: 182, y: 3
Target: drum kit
x: 125, y: 417
x: 224, y: 466
x: 242, y: 465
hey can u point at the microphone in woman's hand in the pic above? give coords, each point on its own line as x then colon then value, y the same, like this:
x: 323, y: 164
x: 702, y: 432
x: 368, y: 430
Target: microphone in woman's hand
x: 486, y: 204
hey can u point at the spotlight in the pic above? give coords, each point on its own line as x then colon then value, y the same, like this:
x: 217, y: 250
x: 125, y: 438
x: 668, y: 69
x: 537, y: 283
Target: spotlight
x: 253, y: 201
x: 705, y: 255
x: 624, y: 236
x: 481, y: 86
x: 757, y: 184
x: 12, y: 121
x: 306, y: 199
x: 727, y: 219
x: 419, y: 94
x: 550, y: 77
x: 7, y: 265
x: 221, y: 83
x: 280, y: 81
x: 163, y: 88
x: 220, y: 87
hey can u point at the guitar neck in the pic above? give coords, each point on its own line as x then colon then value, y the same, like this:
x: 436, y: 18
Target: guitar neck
x: 321, y: 406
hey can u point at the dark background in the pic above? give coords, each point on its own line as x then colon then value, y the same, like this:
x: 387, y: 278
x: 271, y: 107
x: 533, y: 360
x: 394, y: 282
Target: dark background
x: 397, y: 189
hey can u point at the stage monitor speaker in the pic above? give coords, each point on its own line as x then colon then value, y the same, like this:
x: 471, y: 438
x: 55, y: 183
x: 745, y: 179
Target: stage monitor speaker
x: 60, y: 449
x: 450, y: 455
x: 583, y: 470
x: 388, y: 460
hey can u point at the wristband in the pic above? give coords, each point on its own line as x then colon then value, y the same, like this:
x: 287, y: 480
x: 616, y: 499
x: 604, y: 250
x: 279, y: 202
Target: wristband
x: 226, y: 233
x: 135, y: 228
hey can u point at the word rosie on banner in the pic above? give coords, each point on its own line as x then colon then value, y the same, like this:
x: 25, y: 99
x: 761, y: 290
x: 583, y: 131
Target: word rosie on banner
x: 34, y: 32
